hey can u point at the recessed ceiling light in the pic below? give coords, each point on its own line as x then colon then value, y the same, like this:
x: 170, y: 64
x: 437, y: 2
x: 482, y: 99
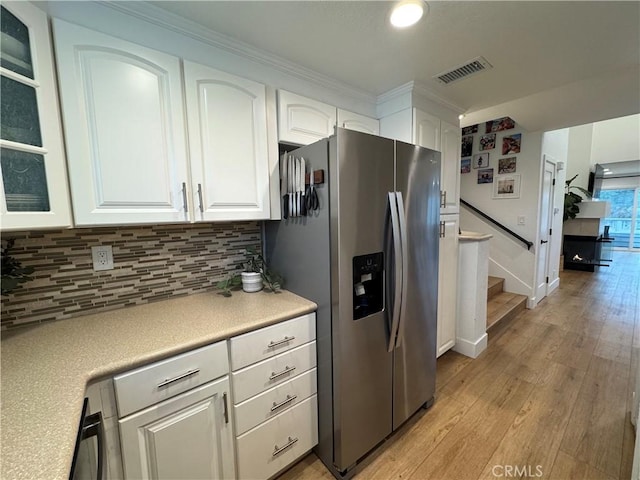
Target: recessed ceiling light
x: 407, y: 12
x: 461, y: 116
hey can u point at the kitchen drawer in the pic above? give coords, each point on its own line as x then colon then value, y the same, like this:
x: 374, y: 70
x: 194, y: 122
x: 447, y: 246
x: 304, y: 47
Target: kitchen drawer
x: 269, y: 341
x: 258, y: 455
x: 276, y: 400
x: 277, y: 370
x: 162, y: 380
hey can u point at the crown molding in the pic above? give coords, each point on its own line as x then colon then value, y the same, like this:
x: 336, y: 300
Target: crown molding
x: 425, y: 92
x: 169, y: 21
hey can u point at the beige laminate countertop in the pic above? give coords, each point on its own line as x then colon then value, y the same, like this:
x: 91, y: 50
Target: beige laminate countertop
x: 45, y: 369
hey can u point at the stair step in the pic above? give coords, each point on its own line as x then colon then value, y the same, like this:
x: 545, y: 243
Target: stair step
x: 504, y: 306
x: 496, y: 285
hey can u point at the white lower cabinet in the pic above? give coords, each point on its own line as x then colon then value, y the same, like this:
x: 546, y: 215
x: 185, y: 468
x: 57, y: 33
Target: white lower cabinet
x: 175, y: 418
x: 189, y: 437
x: 275, y: 401
x: 271, y: 447
x: 447, y: 283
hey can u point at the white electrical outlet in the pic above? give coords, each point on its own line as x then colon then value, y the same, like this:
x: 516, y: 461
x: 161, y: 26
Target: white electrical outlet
x: 102, y: 258
x: 521, y: 220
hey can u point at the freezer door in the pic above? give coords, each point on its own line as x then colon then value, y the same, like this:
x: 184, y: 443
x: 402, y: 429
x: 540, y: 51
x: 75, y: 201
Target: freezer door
x: 361, y: 167
x: 418, y: 179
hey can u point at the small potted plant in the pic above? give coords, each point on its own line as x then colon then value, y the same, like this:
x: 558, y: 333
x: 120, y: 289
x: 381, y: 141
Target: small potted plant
x: 255, y: 276
x: 13, y: 273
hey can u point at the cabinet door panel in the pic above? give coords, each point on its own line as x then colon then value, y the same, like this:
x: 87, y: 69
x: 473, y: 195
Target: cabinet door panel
x: 33, y: 177
x: 359, y: 123
x: 426, y: 130
x: 185, y: 437
x: 228, y: 144
x: 302, y: 121
x: 123, y: 112
x: 450, y: 172
x: 447, y: 284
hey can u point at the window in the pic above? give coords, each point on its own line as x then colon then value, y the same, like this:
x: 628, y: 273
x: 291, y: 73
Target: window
x: 623, y: 223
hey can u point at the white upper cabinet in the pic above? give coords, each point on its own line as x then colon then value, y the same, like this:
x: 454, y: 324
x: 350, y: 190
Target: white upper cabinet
x: 426, y: 130
x: 33, y: 186
x: 357, y: 122
x: 228, y: 146
x: 124, y: 123
x: 302, y: 121
x: 450, y: 171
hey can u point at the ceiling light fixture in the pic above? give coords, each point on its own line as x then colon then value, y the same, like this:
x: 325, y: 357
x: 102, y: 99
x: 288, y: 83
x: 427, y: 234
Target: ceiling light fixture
x: 407, y: 12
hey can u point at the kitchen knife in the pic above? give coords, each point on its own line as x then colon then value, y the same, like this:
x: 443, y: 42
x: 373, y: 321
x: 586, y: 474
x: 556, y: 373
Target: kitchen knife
x: 284, y: 186
x: 303, y: 202
x: 289, y: 186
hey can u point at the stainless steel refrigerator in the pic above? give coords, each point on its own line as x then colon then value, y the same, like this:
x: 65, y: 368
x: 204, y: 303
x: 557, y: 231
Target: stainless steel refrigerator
x: 369, y: 258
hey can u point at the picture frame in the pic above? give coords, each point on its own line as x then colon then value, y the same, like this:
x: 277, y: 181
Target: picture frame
x: 467, y: 146
x: 471, y: 129
x: 465, y: 165
x: 485, y: 175
x: 507, y: 186
x: 480, y: 160
x: 488, y: 141
x: 500, y: 124
x: 507, y: 165
x: 511, y: 144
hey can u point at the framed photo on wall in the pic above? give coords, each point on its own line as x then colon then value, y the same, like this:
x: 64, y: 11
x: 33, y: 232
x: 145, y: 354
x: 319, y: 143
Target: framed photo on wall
x: 488, y: 141
x: 467, y: 146
x: 507, y: 165
x: 511, y: 144
x: 485, y: 175
x: 507, y: 186
x: 465, y: 165
x: 480, y: 160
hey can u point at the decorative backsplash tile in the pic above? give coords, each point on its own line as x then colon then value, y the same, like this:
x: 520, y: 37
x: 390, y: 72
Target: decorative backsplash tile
x: 150, y: 263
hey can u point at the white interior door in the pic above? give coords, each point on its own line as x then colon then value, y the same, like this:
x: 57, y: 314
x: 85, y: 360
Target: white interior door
x: 546, y: 219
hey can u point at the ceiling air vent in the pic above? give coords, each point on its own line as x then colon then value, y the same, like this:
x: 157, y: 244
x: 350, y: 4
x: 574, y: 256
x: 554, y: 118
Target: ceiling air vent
x: 463, y: 71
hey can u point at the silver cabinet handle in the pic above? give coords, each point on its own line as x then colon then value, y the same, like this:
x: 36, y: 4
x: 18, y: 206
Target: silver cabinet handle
x: 289, y: 399
x: 443, y: 198
x: 226, y: 408
x: 286, y: 370
x: 280, y: 342
x: 184, y: 197
x: 200, y: 198
x: 179, y: 377
x: 443, y: 232
x: 277, y: 450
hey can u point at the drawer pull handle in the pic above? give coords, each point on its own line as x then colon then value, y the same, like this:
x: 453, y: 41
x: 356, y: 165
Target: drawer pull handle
x: 169, y: 381
x: 289, y: 399
x: 226, y: 408
x: 280, y: 342
x: 278, y: 451
x: 286, y: 370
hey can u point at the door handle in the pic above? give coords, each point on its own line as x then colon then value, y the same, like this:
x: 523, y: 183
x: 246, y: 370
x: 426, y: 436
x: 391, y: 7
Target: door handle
x: 544, y: 241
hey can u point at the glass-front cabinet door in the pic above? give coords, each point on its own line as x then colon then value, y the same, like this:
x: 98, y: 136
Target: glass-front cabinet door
x: 33, y: 191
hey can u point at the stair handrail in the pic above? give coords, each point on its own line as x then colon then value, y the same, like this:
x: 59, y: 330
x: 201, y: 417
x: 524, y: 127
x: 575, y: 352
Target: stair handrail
x: 498, y: 224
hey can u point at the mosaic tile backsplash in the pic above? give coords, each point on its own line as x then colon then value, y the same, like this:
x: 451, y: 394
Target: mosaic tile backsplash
x: 150, y: 263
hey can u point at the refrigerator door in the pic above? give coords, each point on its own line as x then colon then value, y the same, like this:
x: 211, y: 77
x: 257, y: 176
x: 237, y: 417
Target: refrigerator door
x: 418, y: 179
x: 361, y: 174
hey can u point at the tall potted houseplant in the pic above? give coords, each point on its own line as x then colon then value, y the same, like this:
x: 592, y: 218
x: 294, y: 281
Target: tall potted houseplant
x: 572, y: 199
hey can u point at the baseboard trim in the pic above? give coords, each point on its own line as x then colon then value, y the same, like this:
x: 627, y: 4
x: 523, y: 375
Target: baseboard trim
x: 469, y: 348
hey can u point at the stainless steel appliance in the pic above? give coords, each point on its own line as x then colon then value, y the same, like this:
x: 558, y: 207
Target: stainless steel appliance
x: 369, y: 258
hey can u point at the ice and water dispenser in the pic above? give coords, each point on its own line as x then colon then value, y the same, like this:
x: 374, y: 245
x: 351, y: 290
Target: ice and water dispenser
x: 368, y: 284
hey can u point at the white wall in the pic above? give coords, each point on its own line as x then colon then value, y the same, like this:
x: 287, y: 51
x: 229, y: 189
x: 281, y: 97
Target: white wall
x: 509, y: 258
x: 616, y: 140
x: 609, y: 141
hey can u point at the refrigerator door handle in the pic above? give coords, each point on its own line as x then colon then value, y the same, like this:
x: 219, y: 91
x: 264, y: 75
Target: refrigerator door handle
x: 397, y: 265
x: 405, y: 268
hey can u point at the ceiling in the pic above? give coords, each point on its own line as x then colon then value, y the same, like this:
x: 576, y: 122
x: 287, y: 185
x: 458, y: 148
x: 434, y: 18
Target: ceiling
x: 555, y: 64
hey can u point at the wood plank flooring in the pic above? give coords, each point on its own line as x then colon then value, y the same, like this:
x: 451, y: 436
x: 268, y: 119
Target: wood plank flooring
x: 549, y: 398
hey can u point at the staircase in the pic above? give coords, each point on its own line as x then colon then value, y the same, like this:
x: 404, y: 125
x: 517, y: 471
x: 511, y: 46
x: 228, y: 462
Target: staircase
x: 502, y: 306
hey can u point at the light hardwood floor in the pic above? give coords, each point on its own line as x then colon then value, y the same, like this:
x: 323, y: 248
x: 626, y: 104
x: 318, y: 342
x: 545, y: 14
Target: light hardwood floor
x: 550, y: 395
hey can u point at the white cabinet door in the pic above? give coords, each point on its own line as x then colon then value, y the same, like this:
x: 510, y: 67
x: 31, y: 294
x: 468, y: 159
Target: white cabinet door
x: 33, y: 187
x: 302, y: 121
x: 426, y: 130
x: 188, y: 437
x: 357, y: 122
x: 227, y: 145
x: 447, y: 282
x: 124, y: 123
x: 450, y: 169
